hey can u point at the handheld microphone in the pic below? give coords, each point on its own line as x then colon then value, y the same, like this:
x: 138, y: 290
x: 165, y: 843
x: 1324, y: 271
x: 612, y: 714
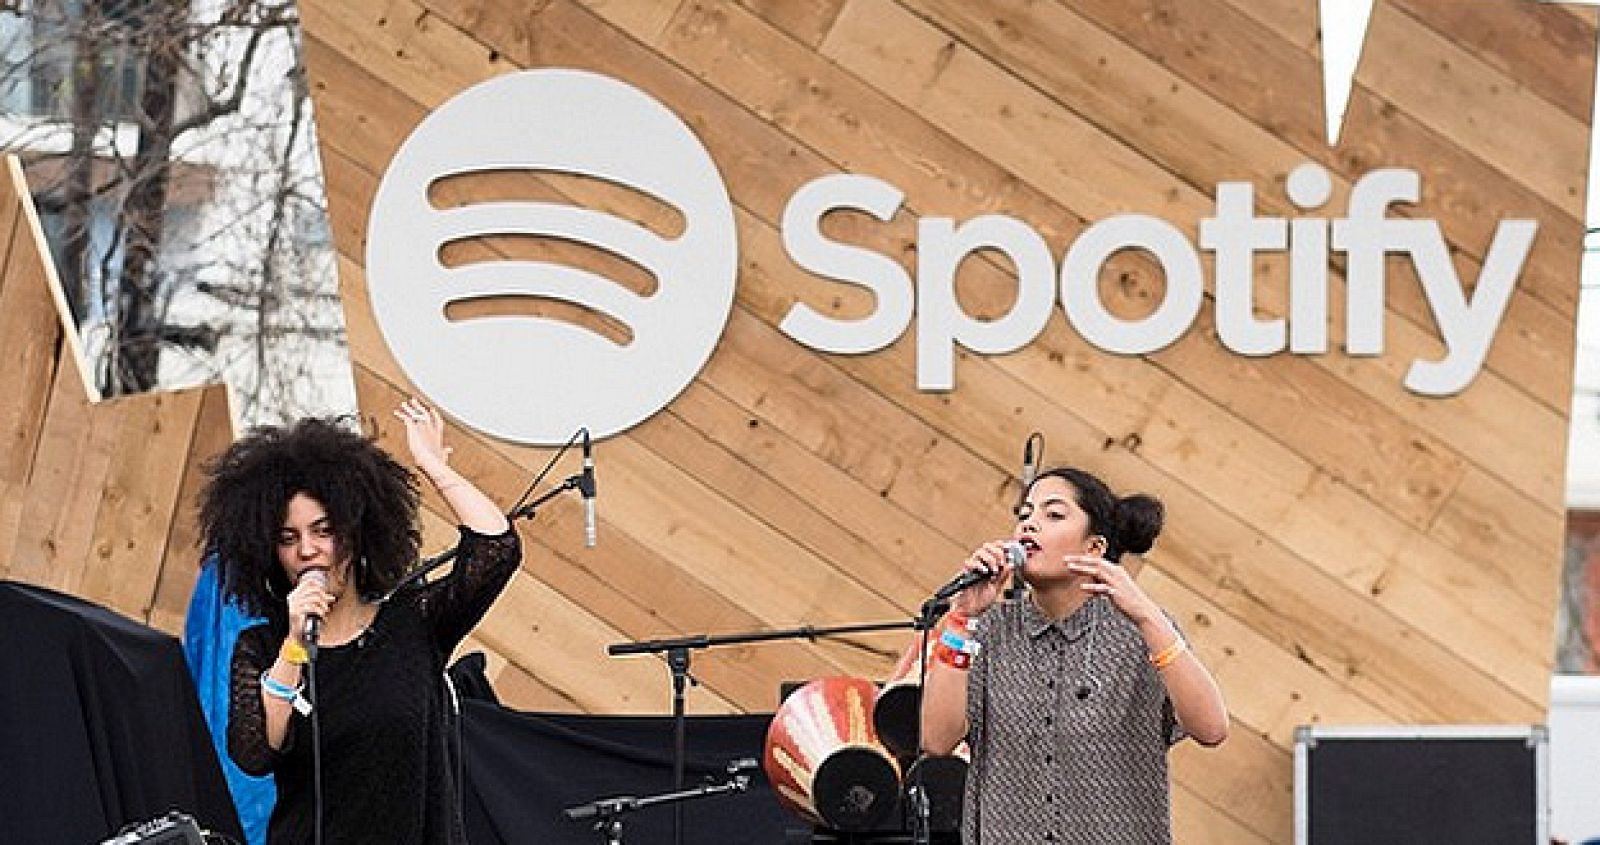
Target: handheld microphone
x: 1016, y: 556
x: 586, y: 487
x: 314, y: 620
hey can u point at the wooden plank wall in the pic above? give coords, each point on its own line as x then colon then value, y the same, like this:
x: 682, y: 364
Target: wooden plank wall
x: 1340, y: 550
x: 95, y: 498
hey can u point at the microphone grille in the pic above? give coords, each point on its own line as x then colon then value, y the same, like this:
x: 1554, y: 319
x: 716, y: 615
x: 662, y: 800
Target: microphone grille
x: 1016, y: 554
x: 317, y: 574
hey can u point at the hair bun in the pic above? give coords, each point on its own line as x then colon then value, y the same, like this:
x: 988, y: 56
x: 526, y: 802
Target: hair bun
x: 1139, y: 519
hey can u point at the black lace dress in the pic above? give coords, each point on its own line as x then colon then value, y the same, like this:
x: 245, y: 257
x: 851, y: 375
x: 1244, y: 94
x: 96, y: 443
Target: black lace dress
x: 388, y: 763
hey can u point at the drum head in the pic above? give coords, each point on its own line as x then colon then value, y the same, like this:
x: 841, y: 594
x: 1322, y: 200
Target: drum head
x: 823, y: 757
x: 855, y: 788
x: 894, y: 715
x: 945, y: 782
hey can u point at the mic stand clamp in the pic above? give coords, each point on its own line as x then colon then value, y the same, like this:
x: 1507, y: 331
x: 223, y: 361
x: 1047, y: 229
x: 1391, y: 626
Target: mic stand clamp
x: 573, y: 482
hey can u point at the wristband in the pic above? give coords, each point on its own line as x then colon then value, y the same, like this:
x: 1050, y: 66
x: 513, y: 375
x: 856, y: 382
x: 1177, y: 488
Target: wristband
x: 279, y: 689
x: 293, y: 652
x: 1168, y: 655
x: 956, y: 641
x: 951, y: 657
x: 282, y: 691
x: 954, y: 650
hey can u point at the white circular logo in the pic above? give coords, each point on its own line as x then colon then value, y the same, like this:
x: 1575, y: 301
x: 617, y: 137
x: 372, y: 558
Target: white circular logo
x: 535, y: 379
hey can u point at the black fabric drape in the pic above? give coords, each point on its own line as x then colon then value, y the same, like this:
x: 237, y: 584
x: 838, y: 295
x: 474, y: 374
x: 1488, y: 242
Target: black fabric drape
x: 524, y: 768
x: 99, y: 725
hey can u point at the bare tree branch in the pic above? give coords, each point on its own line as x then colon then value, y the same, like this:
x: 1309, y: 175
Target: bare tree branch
x: 178, y: 172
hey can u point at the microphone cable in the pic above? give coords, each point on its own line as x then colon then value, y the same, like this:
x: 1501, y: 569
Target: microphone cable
x: 316, y: 745
x: 532, y: 485
x: 920, y: 809
x: 421, y: 570
x: 427, y: 565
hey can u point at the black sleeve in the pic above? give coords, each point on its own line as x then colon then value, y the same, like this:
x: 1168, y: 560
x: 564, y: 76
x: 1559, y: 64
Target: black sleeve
x: 454, y: 604
x: 247, y: 718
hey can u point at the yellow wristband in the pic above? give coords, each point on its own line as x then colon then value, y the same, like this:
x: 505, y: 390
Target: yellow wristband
x: 1168, y: 655
x: 293, y: 652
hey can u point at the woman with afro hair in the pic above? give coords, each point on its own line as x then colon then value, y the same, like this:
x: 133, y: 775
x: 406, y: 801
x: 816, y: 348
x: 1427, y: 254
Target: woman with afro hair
x: 312, y: 519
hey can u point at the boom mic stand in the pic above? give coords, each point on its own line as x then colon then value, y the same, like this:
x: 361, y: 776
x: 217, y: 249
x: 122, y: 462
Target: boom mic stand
x: 527, y: 511
x: 608, y: 812
x: 678, y: 650
x: 430, y: 564
x: 917, y: 795
x: 518, y: 511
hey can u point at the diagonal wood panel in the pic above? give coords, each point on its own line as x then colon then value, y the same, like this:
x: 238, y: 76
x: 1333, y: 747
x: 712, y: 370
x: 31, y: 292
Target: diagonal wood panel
x: 1340, y: 550
x: 95, y: 498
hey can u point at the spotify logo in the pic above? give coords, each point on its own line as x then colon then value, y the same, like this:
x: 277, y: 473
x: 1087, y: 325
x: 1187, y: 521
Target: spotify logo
x: 591, y: 290
x: 484, y: 290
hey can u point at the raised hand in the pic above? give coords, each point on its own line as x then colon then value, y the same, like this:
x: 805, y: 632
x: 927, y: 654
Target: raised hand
x: 424, y: 436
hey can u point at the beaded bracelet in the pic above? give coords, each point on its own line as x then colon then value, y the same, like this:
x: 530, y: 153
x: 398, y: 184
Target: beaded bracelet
x: 1168, y: 655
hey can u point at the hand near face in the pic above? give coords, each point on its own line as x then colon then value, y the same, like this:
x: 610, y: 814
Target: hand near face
x: 310, y: 597
x: 1114, y: 582
x: 989, y: 557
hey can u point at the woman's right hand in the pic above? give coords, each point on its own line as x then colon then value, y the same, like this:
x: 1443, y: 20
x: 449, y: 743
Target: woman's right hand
x: 309, y: 597
x: 989, y: 557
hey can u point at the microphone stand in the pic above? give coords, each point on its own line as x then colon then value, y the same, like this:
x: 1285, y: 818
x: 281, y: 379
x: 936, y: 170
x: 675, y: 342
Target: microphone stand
x: 527, y: 511
x: 917, y: 794
x: 608, y: 812
x: 678, y: 651
x: 428, y: 565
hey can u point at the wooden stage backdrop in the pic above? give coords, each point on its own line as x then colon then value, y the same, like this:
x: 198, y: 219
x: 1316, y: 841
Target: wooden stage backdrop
x: 95, y: 497
x: 1340, y: 550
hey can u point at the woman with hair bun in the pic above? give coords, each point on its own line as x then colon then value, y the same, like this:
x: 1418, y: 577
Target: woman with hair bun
x: 314, y: 520
x: 1069, y: 698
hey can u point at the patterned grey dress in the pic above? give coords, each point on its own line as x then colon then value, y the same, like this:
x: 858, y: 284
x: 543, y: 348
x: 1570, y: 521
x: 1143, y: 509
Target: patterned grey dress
x: 1069, y: 726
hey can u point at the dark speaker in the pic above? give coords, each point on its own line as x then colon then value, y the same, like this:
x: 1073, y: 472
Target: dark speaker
x: 1462, y: 785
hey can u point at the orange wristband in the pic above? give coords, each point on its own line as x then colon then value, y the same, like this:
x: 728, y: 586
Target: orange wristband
x: 954, y: 658
x: 1167, y: 656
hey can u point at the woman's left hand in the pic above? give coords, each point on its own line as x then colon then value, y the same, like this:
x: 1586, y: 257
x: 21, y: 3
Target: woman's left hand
x: 424, y: 436
x: 1113, y: 581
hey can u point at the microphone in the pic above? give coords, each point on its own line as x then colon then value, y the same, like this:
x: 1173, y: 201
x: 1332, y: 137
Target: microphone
x: 1030, y: 474
x: 586, y: 487
x: 1016, y: 555
x: 1030, y: 466
x: 314, y: 620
